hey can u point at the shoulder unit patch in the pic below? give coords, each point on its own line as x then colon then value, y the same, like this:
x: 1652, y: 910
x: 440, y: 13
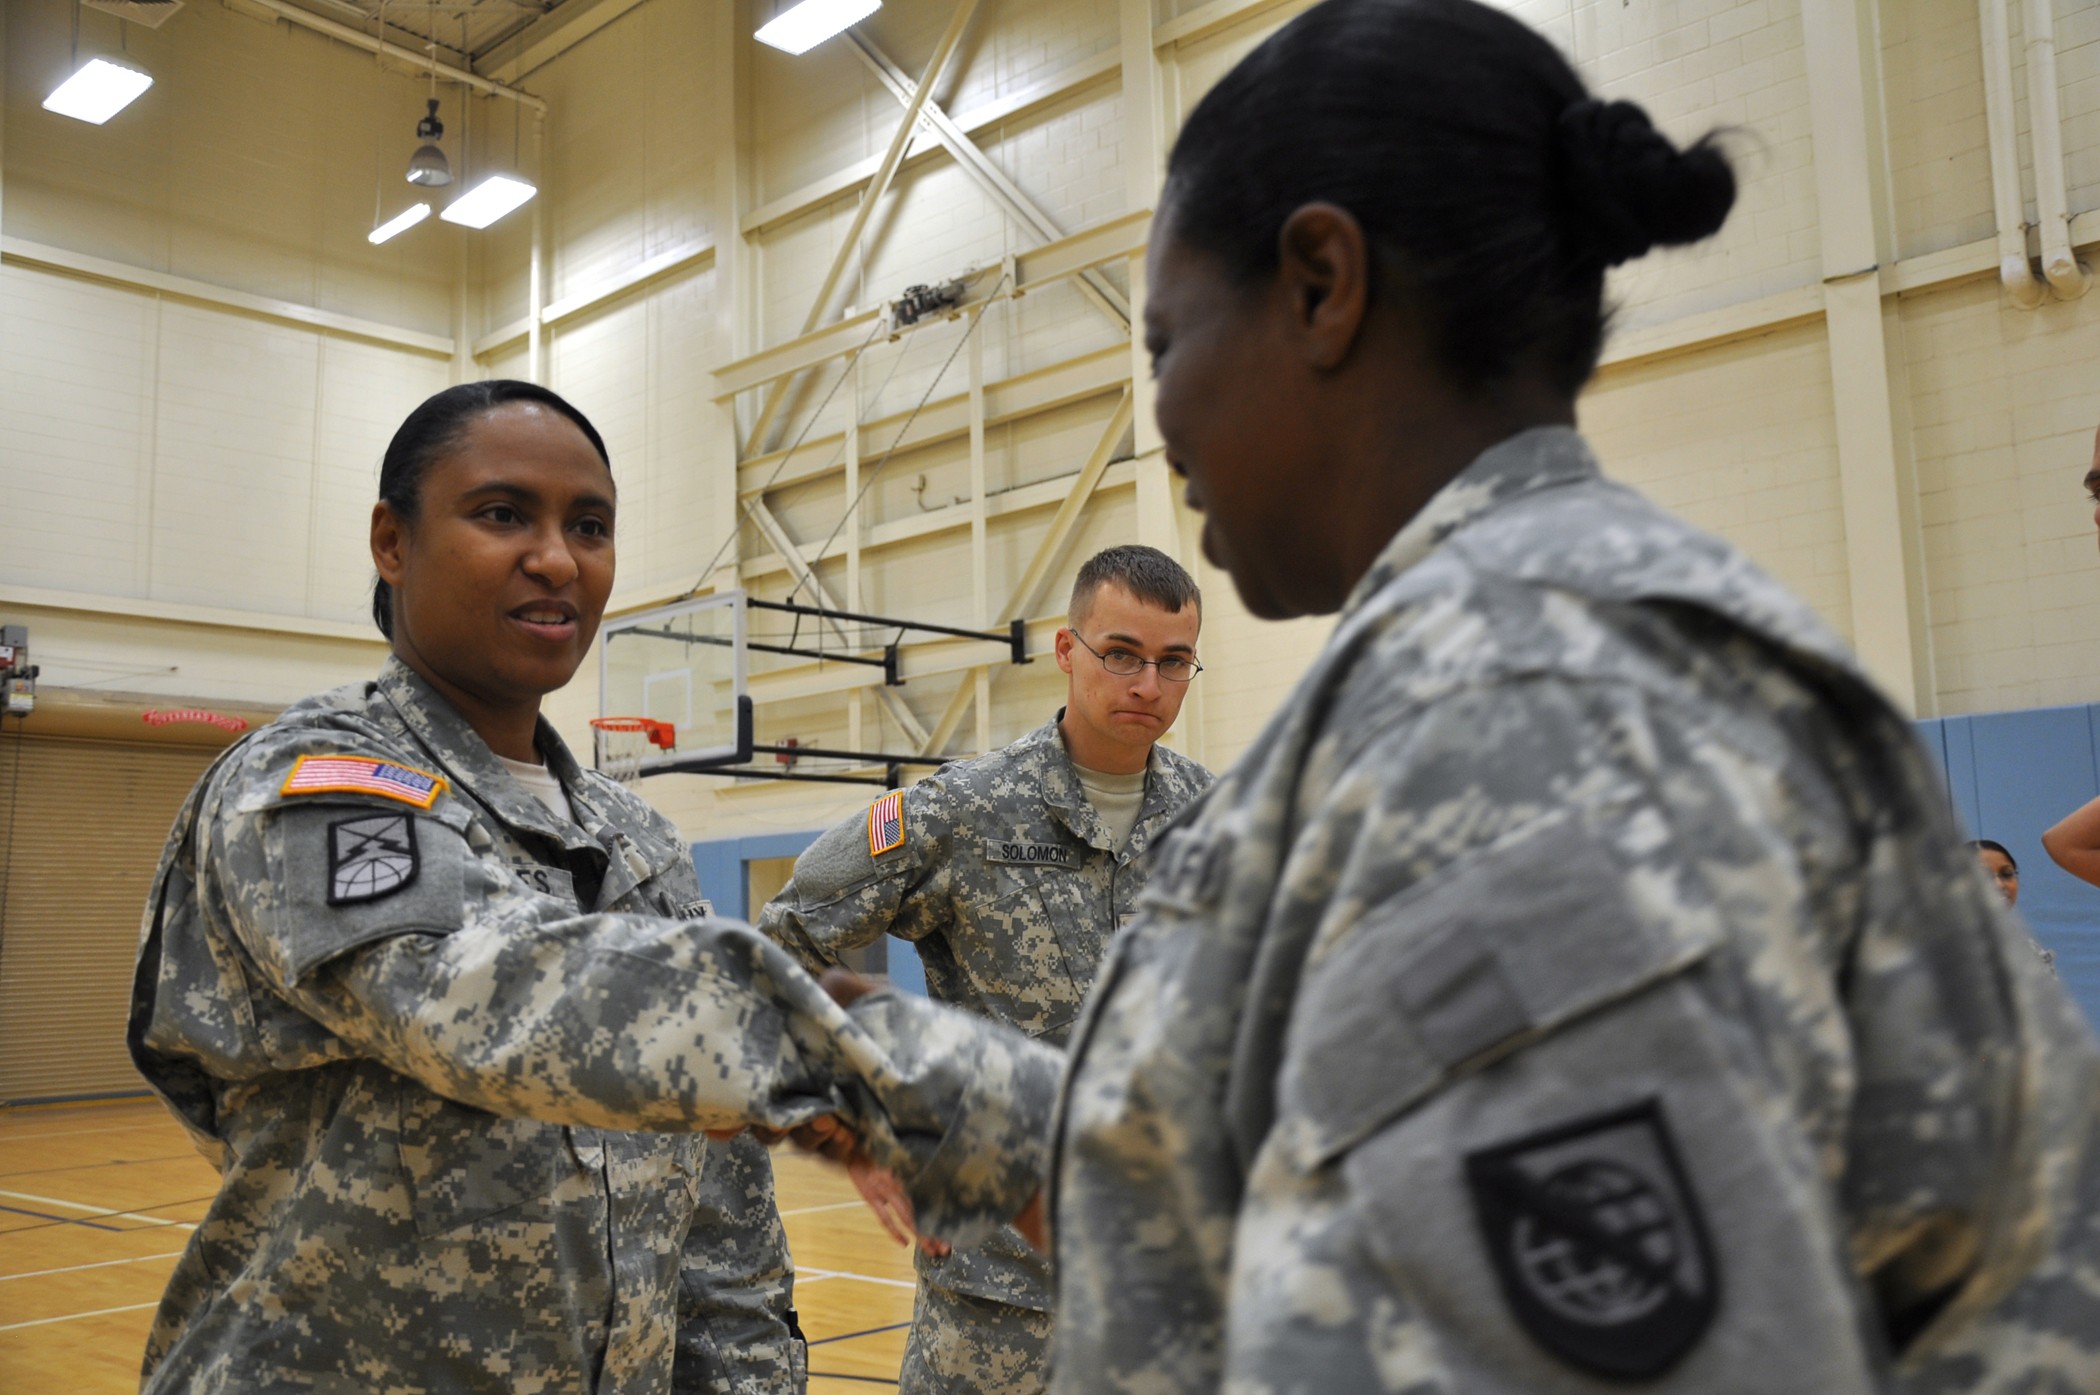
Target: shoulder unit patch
x: 886, y: 824
x: 364, y: 775
x: 1598, y: 1241
x: 370, y: 857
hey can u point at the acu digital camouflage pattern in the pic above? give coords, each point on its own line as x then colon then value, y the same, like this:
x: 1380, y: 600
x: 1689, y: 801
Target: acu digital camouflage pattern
x: 455, y: 1121
x: 1582, y: 852
x: 1011, y: 888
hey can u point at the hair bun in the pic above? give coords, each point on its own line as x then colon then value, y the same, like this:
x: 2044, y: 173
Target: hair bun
x: 1631, y: 189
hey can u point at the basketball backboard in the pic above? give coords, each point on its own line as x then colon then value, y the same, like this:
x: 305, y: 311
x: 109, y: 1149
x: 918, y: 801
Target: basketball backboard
x: 681, y: 663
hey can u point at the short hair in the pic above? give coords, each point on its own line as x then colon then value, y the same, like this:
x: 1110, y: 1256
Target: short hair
x: 1145, y: 572
x: 1988, y: 845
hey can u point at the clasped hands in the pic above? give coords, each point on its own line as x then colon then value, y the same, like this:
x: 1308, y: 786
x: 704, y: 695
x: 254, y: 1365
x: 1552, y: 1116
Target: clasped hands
x: 829, y: 1136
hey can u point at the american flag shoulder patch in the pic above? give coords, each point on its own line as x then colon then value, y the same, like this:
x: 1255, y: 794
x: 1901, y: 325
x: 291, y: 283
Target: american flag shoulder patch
x: 886, y: 823
x: 364, y: 775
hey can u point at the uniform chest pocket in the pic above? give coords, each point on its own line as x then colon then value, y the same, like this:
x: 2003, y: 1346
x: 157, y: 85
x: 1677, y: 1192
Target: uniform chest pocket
x: 1450, y: 977
x: 464, y: 1165
x: 1008, y: 946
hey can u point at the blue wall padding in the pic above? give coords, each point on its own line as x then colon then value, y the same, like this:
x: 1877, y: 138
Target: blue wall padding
x: 724, y: 881
x: 2010, y: 776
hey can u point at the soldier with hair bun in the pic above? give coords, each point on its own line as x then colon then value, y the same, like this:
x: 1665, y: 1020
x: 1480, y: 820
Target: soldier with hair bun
x: 1581, y: 984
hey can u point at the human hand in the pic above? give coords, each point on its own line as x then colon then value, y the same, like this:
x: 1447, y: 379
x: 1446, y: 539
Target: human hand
x: 846, y: 987
x: 886, y: 1197
x: 1034, y: 1223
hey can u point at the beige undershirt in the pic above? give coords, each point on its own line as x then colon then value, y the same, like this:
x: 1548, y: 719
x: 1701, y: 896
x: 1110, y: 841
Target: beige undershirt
x: 539, y: 782
x: 1117, y: 800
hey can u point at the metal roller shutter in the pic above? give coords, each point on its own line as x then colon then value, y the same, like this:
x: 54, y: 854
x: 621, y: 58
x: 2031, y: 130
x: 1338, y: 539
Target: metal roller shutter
x: 81, y: 828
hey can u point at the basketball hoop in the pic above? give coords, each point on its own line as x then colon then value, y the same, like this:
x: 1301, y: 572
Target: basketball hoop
x: 621, y: 743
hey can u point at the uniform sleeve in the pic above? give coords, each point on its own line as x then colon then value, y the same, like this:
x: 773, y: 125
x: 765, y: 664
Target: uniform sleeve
x: 1585, y: 1039
x: 736, y: 1289
x: 845, y: 895
x: 382, y: 924
x: 736, y: 1282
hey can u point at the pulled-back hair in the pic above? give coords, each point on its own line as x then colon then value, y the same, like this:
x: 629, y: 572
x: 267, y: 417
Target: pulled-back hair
x: 437, y: 428
x: 1145, y: 572
x: 1477, y: 164
x: 1992, y: 845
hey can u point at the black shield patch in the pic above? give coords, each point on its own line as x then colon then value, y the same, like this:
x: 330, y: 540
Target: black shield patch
x: 370, y: 857
x: 1598, y: 1241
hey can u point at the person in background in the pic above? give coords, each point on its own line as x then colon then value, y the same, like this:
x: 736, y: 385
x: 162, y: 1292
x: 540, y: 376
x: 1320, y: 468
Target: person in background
x: 439, y: 1004
x: 1999, y: 866
x: 1011, y: 873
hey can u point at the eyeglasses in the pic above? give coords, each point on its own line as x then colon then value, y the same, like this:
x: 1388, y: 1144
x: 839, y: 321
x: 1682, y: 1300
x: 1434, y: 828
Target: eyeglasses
x: 1175, y: 668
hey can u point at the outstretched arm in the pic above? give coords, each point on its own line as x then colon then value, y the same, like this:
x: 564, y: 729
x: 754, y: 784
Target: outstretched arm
x: 2074, y: 843
x: 493, y: 996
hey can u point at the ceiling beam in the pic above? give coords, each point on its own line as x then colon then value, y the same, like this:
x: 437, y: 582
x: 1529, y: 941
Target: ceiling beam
x: 422, y: 62
x: 549, y: 37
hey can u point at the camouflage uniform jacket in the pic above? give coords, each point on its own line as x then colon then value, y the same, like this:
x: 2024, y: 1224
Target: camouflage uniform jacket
x: 450, y: 1054
x: 1005, y: 879
x: 1582, y: 980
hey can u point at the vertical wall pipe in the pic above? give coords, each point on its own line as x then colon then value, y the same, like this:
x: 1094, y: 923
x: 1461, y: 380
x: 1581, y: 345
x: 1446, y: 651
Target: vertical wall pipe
x: 2014, y: 272
x: 536, y: 293
x: 2045, y: 129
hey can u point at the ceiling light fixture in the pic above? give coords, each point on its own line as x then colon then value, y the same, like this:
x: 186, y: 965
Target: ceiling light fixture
x: 802, y: 27
x: 398, y: 224
x: 428, y: 167
x: 489, y: 200
x: 98, y: 91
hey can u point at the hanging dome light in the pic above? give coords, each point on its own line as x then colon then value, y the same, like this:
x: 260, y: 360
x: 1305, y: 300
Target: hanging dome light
x: 428, y: 167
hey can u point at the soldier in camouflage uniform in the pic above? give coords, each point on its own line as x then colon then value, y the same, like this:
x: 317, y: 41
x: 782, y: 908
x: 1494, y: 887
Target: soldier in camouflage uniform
x: 452, y: 1046
x: 1581, y: 982
x: 1010, y: 873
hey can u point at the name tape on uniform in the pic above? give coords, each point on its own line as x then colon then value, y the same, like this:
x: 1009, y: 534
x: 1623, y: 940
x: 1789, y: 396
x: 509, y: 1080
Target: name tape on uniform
x: 886, y: 824
x: 364, y: 775
x: 1030, y: 854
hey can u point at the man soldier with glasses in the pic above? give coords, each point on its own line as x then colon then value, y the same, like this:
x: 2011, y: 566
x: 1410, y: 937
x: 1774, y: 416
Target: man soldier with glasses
x: 1011, y: 873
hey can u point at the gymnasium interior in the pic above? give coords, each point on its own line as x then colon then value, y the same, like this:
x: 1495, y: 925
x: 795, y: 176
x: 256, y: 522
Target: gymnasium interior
x: 856, y: 324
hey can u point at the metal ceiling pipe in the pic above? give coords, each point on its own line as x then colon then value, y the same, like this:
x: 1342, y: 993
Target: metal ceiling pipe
x: 370, y: 44
x: 2045, y: 132
x: 2014, y: 271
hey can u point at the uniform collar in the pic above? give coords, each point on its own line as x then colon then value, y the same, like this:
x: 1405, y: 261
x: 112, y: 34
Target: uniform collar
x: 1541, y: 458
x: 440, y: 729
x: 1045, y: 749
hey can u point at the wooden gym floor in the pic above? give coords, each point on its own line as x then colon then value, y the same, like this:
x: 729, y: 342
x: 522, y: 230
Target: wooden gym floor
x: 96, y: 1201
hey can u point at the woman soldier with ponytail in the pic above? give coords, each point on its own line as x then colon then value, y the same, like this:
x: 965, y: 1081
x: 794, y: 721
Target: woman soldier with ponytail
x: 1582, y: 980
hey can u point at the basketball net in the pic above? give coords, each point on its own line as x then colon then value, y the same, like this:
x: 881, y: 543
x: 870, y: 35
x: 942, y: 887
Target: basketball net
x: 621, y: 743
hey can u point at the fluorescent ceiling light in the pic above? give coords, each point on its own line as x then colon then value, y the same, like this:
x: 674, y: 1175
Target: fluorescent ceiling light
x: 98, y: 91
x: 399, y: 223
x: 487, y: 201
x: 810, y: 23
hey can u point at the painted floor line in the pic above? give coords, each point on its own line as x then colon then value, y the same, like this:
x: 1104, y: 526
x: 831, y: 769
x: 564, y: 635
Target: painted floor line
x: 812, y: 1210
x: 821, y: 1341
x: 50, y: 1219
x: 102, y: 1211
x: 93, y: 1167
x: 811, y: 1276
x: 70, y: 1317
x: 7, y: 1138
x: 98, y: 1264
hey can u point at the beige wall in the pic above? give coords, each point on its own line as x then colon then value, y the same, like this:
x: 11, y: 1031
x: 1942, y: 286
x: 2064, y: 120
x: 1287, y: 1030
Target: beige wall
x: 183, y: 456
